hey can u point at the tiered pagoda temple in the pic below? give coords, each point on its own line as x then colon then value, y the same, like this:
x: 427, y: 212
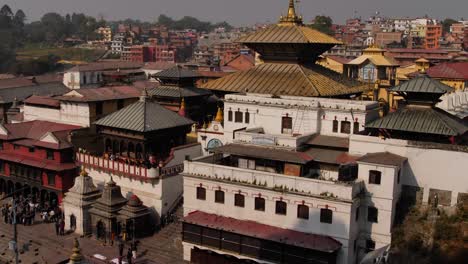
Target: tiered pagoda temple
x: 289, y: 51
x: 418, y: 118
x: 143, y: 131
x: 177, y: 92
x: 136, y: 218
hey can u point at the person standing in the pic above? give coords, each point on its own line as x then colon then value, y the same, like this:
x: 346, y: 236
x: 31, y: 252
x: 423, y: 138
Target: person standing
x: 129, y: 256
x: 57, y: 227
x: 62, y: 227
x: 121, y: 251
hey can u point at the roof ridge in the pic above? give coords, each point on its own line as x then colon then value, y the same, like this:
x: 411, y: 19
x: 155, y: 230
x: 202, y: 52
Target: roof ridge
x: 302, y: 33
x: 308, y: 79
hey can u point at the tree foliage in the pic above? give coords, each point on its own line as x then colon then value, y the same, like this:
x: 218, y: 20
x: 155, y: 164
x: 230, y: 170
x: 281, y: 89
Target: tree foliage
x: 447, y: 23
x: 190, y: 22
x: 323, y: 24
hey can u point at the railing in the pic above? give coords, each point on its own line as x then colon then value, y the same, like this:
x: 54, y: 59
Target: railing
x: 117, y: 167
x: 275, y: 181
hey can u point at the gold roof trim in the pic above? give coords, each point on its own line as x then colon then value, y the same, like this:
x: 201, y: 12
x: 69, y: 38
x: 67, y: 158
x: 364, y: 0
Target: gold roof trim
x: 287, y: 79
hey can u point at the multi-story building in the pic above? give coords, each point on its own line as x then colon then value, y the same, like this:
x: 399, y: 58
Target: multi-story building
x: 93, y: 74
x: 142, y: 149
x: 118, y: 43
x: 457, y: 29
x: 105, y: 33
x: 286, y: 176
x: 37, y: 158
x: 80, y: 107
x: 433, y: 35
x: 382, y: 39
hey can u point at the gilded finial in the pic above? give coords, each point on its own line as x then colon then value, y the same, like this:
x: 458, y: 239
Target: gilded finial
x: 219, y: 116
x: 76, y: 257
x: 291, y: 17
x: 182, y: 108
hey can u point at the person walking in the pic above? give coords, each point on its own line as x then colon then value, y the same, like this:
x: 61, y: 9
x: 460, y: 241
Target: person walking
x: 62, y: 227
x: 57, y: 228
x: 121, y: 251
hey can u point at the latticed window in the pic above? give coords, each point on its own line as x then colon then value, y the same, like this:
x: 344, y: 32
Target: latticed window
x: 345, y: 127
x: 372, y: 214
x: 230, y: 115
x: 281, y: 208
x: 259, y: 204
x: 303, y: 211
x: 239, y: 200
x: 238, y: 117
x: 326, y: 216
x: 335, y: 126
x: 286, y: 125
x: 375, y: 177
x: 219, y: 196
x: 355, y: 127
x: 247, y: 117
x: 201, y: 193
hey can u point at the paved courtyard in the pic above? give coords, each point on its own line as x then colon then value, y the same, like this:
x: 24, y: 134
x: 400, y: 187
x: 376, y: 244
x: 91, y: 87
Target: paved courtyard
x: 164, y: 247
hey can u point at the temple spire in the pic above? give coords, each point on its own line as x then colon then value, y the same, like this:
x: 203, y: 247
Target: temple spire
x: 219, y: 115
x: 76, y: 257
x: 182, y: 108
x: 291, y: 17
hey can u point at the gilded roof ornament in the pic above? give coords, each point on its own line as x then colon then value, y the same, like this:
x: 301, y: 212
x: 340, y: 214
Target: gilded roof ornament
x: 219, y: 116
x: 76, y: 257
x: 291, y: 17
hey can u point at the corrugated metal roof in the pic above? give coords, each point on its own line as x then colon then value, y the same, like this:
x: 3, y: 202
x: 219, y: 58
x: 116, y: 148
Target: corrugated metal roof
x: 265, y: 153
x: 288, y: 34
x: 42, y: 100
x: 272, y: 233
x: 177, y: 92
x: 377, y: 60
x: 287, y: 79
x: 422, y: 84
x: 383, y: 158
x: 144, y: 116
x: 176, y: 72
x: 426, y: 120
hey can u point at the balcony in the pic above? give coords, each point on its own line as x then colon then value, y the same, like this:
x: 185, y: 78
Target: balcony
x: 127, y: 170
x: 205, y: 167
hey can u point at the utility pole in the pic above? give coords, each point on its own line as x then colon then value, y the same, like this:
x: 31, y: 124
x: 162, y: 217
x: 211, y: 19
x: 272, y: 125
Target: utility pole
x: 15, y: 232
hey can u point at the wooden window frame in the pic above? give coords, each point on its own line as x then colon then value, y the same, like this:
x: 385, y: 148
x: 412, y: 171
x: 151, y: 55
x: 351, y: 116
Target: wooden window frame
x: 219, y: 197
x: 239, y: 200
x: 281, y: 208
x: 301, y: 213
x: 326, y: 216
x: 201, y: 193
x: 259, y: 204
x: 375, y: 177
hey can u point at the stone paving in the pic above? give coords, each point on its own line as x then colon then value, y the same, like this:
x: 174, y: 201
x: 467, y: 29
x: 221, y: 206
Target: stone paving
x: 164, y: 247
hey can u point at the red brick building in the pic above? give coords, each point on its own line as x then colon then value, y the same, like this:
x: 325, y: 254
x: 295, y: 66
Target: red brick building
x: 37, y: 157
x: 152, y: 53
x: 465, y: 39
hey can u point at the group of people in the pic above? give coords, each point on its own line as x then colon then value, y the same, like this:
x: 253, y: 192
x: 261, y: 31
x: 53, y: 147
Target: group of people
x: 24, y: 209
x: 131, y: 252
x: 59, y: 226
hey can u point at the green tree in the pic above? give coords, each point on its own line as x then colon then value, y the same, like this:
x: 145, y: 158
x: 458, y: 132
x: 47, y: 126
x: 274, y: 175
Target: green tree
x: 323, y: 24
x: 55, y: 27
x: 447, y: 23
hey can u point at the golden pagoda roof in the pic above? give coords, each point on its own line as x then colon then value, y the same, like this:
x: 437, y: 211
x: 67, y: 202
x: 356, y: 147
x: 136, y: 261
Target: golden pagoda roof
x: 290, y: 33
x: 287, y: 79
x: 289, y: 29
x: 421, y: 60
x: 378, y: 60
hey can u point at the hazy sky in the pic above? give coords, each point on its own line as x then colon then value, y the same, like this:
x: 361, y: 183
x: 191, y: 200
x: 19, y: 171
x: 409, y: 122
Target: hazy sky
x: 241, y: 12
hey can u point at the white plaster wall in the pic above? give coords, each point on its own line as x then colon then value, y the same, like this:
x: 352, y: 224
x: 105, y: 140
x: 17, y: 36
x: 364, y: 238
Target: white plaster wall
x: 339, y: 229
x: 75, y: 113
x: 193, y: 151
x: 69, y: 210
x: 426, y: 168
x: 32, y: 113
x: 72, y: 80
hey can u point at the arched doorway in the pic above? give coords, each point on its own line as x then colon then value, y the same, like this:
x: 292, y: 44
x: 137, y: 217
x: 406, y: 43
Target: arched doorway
x: 100, y: 230
x: 10, y: 187
x: 108, y: 145
x: 139, y: 151
x: 53, y: 199
x: 131, y: 150
x: 123, y: 148
x: 72, y: 222
x: 44, y: 200
x: 115, y: 147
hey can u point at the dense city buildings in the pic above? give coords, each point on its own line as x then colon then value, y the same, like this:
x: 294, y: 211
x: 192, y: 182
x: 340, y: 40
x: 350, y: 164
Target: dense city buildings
x: 205, y: 143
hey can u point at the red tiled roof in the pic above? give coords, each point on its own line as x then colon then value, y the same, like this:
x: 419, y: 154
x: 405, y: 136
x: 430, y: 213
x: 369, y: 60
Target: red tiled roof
x: 159, y: 65
x: 456, y: 70
x: 431, y: 51
x: 42, y: 100
x: 102, y: 94
x: 254, y: 229
x: 29, y: 81
x: 35, y: 130
x: 106, y: 66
